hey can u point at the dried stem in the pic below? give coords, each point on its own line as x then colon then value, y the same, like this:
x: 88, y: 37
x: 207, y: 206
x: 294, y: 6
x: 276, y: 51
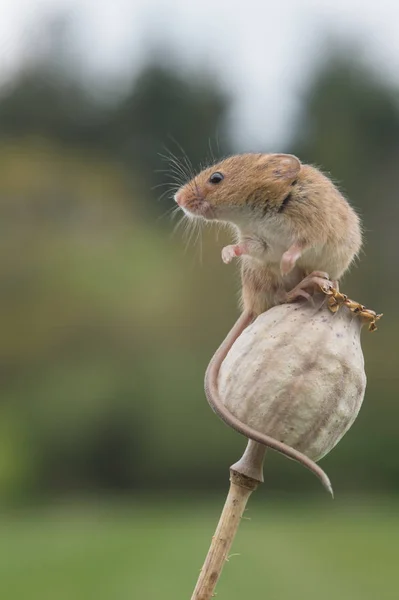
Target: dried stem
x: 245, y: 476
x: 336, y: 300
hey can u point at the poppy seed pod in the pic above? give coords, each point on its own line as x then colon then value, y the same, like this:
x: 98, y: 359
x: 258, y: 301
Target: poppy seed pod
x: 297, y: 374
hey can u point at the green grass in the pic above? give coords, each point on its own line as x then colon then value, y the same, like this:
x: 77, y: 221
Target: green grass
x: 146, y: 552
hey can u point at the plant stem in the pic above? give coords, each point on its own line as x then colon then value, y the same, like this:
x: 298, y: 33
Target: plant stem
x: 245, y: 476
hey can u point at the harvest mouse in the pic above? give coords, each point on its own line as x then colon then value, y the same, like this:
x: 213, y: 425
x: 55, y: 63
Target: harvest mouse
x: 294, y: 231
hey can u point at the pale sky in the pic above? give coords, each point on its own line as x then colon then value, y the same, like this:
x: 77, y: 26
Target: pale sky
x: 260, y: 50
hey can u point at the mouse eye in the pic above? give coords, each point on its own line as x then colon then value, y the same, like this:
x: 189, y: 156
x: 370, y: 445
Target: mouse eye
x: 216, y: 177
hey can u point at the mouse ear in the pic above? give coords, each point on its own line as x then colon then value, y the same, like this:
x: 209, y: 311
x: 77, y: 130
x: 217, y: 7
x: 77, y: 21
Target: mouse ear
x: 286, y: 166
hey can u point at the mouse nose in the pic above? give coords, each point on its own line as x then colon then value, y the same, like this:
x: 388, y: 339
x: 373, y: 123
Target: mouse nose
x: 179, y: 198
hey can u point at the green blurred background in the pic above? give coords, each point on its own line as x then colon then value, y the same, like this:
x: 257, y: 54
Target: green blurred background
x: 113, y: 469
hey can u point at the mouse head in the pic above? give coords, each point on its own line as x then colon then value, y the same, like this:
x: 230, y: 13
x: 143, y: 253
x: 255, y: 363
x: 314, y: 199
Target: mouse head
x: 240, y: 187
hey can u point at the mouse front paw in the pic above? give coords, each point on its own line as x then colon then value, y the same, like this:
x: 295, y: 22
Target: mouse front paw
x: 230, y: 252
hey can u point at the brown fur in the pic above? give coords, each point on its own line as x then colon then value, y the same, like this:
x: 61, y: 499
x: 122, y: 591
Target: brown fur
x: 251, y: 197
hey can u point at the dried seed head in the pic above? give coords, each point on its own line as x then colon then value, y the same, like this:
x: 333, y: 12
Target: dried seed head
x: 297, y: 374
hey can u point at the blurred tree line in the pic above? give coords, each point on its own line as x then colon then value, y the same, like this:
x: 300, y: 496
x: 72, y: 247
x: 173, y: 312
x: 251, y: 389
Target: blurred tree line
x: 107, y: 325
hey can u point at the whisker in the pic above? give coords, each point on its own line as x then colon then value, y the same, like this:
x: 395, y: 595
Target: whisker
x: 217, y: 141
x: 173, y: 161
x: 174, y: 212
x: 175, y: 170
x: 170, y: 211
x: 188, y: 233
x: 165, y: 194
x: 168, y: 183
x: 163, y: 170
x: 212, y: 156
x: 201, y: 246
x: 179, y: 224
x: 185, y: 157
x: 198, y: 240
x: 174, y: 174
x: 175, y: 164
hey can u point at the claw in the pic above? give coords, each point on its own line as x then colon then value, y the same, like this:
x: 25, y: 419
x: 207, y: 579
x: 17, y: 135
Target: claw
x: 315, y: 281
x: 321, y: 274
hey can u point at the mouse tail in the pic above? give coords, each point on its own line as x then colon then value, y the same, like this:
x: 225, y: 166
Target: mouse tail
x: 215, y: 402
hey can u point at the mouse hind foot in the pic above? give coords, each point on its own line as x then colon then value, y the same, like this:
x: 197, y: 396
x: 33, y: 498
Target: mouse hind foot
x: 316, y: 281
